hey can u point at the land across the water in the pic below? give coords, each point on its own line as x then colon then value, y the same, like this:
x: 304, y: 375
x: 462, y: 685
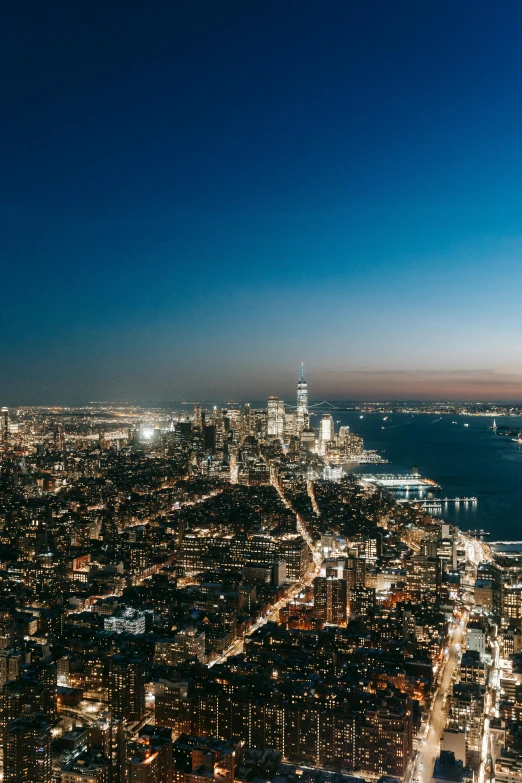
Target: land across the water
x: 472, y: 461
x: 466, y: 461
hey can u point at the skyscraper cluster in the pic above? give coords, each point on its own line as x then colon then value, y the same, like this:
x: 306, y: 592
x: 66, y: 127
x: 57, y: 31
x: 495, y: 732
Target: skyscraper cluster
x: 291, y: 424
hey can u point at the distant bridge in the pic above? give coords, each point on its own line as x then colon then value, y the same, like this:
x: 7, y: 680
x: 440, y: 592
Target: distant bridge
x: 329, y: 405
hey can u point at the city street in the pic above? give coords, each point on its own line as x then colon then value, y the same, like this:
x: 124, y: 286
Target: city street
x: 428, y: 752
x: 490, y: 710
x: 272, y: 616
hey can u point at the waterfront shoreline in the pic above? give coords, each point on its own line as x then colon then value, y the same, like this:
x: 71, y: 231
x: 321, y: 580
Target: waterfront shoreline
x: 465, y: 461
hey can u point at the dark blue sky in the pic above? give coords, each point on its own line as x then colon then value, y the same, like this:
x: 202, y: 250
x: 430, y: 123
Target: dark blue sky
x: 197, y: 196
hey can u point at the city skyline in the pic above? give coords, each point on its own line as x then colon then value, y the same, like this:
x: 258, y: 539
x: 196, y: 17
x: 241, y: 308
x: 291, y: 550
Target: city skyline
x: 221, y: 193
x: 260, y: 392
x: 357, y: 386
x: 231, y: 594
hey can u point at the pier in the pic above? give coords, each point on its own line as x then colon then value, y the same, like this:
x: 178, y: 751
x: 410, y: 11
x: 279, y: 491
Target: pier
x: 399, y: 481
x: 438, y: 501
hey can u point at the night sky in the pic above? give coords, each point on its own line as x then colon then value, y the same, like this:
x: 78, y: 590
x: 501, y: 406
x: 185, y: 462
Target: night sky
x: 197, y: 196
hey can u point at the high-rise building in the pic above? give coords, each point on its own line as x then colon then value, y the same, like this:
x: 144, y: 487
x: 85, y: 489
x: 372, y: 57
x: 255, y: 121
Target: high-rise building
x: 106, y: 739
x: 198, y: 418
x: 183, y: 432
x: 45, y: 673
x: 422, y: 577
x: 272, y: 416
x: 139, y: 556
x: 7, y: 628
x: 372, y: 546
x: 280, y: 418
x: 307, y: 439
x: 355, y: 572
x: 126, y: 687
x: 59, y: 439
x: 246, y: 423
x: 11, y: 661
x: 361, y: 600
x: 232, y: 461
x: 63, y: 670
x: 289, y: 426
x: 24, y: 696
x: 209, y: 437
x: 5, y: 424
x: 512, y: 601
x: 27, y: 750
x: 172, y: 705
x: 152, y: 759
x: 296, y: 554
x: 219, y: 424
x: 276, y: 418
x: 326, y: 432
x: 330, y: 599
x: 302, y: 402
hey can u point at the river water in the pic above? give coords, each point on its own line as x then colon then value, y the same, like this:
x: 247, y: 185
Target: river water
x: 465, y: 461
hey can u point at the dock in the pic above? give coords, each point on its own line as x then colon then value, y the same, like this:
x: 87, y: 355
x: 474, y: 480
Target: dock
x: 399, y: 481
x: 438, y: 501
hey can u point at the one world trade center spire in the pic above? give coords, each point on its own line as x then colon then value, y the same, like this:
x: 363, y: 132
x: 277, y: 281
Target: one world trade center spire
x: 302, y: 402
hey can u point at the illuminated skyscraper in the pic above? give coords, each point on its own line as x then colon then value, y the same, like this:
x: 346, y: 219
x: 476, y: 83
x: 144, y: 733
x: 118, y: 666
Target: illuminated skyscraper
x: 27, y: 755
x: 246, y: 424
x: 280, y: 419
x: 276, y: 417
x: 302, y: 402
x: 59, y: 439
x: 330, y: 599
x: 126, y: 687
x: 5, y: 424
x: 272, y: 416
x: 198, y: 418
x: 326, y: 432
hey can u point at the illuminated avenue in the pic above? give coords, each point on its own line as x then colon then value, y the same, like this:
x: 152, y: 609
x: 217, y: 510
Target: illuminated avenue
x: 206, y: 594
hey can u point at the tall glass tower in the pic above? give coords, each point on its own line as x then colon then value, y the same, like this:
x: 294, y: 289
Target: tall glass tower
x: 302, y: 401
x: 276, y: 417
